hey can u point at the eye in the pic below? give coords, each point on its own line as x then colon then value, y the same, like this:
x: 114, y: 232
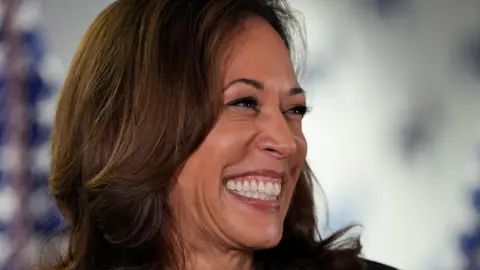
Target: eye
x: 247, y: 102
x: 300, y: 110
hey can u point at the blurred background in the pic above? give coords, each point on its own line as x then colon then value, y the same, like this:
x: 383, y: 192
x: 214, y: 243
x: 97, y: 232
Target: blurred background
x: 394, y: 136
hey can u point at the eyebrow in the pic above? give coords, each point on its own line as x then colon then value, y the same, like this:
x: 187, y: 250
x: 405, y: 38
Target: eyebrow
x: 260, y: 86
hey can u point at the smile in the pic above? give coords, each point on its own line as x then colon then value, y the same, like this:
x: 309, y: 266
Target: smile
x: 256, y: 187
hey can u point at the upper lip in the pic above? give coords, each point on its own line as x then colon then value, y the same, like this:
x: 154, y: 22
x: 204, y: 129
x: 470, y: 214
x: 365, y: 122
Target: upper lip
x: 261, y: 172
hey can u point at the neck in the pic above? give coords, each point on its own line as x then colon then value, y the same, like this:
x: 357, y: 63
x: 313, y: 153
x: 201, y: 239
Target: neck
x: 233, y: 260
x: 212, y: 257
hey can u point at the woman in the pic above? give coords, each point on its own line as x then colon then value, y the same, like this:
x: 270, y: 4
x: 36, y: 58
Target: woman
x: 178, y: 143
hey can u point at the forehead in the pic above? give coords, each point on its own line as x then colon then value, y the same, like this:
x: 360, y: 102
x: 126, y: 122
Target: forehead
x: 258, y: 52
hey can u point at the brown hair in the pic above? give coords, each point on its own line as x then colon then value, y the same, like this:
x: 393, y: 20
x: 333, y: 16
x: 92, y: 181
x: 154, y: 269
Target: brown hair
x: 141, y: 95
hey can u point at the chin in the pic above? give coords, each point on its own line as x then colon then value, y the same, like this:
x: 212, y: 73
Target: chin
x: 270, y: 243
x: 254, y: 211
x: 263, y: 239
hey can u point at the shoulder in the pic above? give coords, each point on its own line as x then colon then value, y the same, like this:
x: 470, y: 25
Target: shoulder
x: 377, y: 266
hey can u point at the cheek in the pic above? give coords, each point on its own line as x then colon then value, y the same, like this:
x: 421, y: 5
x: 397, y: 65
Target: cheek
x: 299, y: 159
x: 299, y: 136
x: 202, y: 173
x: 302, y: 146
x: 228, y: 142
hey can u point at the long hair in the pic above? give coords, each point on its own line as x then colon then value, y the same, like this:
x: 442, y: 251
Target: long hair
x: 141, y: 95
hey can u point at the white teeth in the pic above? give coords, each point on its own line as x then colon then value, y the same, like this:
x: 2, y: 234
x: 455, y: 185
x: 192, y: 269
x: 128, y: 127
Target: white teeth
x: 253, y: 185
x: 239, y: 186
x: 261, y: 187
x: 246, y: 186
x: 278, y: 189
x: 255, y: 189
x: 231, y: 185
x: 269, y: 188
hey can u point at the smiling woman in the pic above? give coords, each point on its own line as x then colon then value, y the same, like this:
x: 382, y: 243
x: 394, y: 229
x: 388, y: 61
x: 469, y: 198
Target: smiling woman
x: 178, y: 143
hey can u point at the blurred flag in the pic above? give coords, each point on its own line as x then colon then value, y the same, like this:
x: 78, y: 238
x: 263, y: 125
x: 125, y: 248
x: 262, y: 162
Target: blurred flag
x: 470, y: 241
x: 28, y: 82
x: 387, y: 9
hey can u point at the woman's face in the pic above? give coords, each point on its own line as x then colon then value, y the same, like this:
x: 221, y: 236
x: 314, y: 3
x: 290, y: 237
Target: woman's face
x: 235, y: 190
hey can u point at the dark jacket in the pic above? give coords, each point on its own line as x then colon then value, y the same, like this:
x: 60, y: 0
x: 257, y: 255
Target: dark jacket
x: 378, y: 266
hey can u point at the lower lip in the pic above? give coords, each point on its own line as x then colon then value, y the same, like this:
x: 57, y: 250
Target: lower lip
x: 262, y: 205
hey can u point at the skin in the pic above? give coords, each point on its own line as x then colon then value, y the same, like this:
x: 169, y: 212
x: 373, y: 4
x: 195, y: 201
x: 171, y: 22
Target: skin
x: 218, y: 230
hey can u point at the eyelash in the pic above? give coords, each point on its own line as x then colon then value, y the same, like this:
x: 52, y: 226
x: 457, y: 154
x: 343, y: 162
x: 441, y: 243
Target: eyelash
x: 252, y: 103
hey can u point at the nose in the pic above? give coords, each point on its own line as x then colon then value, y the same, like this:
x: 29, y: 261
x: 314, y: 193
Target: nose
x: 276, y: 136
